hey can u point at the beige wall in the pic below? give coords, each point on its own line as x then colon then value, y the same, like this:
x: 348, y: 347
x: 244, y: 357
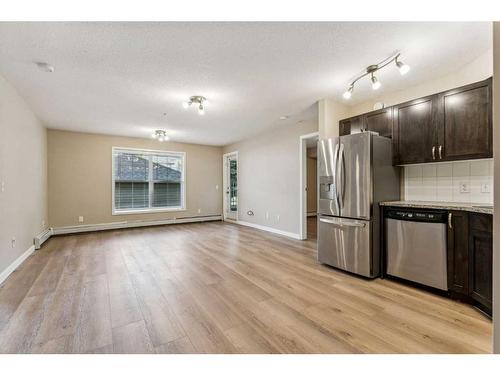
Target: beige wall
x: 312, y: 189
x: 330, y: 112
x: 269, y: 176
x: 79, y: 171
x: 23, y: 203
x: 496, y: 172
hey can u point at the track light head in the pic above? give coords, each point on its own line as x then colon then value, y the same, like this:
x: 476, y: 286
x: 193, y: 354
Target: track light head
x: 403, y: 68
x: 375, y: 83
x: 348, y: 93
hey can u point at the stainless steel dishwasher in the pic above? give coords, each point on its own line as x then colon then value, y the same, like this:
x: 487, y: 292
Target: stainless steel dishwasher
x: 416, y: 246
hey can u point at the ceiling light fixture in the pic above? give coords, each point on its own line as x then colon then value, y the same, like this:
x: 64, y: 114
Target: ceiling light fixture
x: 201, y: 101
x: 160, y: 135
x: 45, y: 67
x: 375, y: 83
x: 370, y: 70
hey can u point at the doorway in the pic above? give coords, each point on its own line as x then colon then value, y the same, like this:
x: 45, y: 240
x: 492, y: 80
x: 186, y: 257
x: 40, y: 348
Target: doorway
x: 230, y: 188
x: 308, y: 182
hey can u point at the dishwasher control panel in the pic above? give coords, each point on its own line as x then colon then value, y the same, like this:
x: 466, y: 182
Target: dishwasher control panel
x: 430, y: 216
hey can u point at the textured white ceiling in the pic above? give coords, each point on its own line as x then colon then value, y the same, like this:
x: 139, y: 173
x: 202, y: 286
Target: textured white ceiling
x: 119, y: 78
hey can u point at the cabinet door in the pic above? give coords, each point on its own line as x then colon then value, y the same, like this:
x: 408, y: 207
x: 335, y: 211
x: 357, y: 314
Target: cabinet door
x: 351, y: 125
x: 480, y: 260
x: 415, y: 131
x: 458, y: 252
x: 380, y: 121
x: 465, y: 123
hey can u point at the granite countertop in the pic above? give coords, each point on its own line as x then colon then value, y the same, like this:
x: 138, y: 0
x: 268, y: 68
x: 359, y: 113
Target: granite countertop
x: 471, y: 207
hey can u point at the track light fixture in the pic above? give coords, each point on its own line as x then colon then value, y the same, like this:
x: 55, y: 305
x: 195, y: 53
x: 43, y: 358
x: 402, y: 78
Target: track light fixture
x: 201, y: 101
x: 370, y: 70
x: 160, y: 135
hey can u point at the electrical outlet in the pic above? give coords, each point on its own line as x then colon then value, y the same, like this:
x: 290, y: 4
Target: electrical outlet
x: 2, y: 186
x: 80, y: 219
x: 13, y: 242
x: 43, y: 223
x: 485, y: 188
x: 464, y: 187
x: 199, y: 210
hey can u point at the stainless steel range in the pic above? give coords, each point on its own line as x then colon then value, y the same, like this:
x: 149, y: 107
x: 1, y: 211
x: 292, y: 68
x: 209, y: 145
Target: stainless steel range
x: 355, y: 174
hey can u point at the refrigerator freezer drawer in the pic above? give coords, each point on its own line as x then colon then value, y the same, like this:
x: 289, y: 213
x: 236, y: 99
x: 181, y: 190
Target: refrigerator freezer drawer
x: 346, y: 244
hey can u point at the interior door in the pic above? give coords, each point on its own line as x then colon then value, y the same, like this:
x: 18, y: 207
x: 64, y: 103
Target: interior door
x: 354, y: 176
x: 231, y: 187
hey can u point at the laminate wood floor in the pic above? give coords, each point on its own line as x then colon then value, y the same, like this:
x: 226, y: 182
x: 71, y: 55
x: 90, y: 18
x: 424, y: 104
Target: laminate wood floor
x: 217, y: 288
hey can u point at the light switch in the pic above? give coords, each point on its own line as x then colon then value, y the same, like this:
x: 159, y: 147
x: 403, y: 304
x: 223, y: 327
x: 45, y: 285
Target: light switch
x: 2, y: 186
x: 485, y: 188
x: 464, y: 187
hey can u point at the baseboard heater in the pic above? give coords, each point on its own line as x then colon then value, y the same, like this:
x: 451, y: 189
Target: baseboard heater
x: 131, y: 224
x: 42, y: 237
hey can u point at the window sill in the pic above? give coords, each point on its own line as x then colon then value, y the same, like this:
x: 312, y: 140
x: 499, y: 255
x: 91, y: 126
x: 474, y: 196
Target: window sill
x: 147, y: 211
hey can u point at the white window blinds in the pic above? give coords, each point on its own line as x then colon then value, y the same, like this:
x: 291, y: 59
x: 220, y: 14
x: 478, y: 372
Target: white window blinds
x: 147, y: 180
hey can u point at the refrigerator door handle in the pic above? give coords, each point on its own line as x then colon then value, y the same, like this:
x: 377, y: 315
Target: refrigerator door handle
x: 340, y: 176
x: 343, y: 223
x: 335, y: 174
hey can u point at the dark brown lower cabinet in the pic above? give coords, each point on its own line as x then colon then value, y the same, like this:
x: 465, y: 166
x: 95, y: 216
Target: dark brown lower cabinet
x: 480, y: 259
x: 470, y: 257
x: 458, y: 252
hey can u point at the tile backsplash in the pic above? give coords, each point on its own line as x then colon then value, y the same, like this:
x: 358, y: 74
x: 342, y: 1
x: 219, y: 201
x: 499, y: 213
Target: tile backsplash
x: 468, y: 181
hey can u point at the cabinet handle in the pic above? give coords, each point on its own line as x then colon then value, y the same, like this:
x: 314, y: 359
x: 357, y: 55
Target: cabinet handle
x: 440, y: 148
x: 433, y: 152
x: 449, y: 220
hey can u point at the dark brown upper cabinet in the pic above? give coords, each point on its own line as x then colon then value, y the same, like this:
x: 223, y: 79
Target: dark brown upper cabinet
x: 465, y: 123
x: 379, y: 121
x: 452, y: 125
x: 415, y: 131
x: 351, y: 125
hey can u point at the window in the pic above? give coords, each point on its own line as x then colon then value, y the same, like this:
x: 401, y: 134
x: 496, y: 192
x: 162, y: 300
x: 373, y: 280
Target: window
x: 147, y: 181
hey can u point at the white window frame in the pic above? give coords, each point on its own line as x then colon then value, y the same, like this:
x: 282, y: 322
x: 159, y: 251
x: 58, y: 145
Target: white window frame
x: 128, y: 211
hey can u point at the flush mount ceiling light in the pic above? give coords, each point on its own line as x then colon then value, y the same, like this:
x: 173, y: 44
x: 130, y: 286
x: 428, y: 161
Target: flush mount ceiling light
x: 160, y: 135
x: 200, y: 101
x: 45, y: 67
x: 370, y: 70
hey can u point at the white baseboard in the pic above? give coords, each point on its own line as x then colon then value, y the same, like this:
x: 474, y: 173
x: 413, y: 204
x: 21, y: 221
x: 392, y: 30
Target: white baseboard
x: 268, y: 229
x: 131, y: 224
x: 309, y: 214
x: 12, y: 267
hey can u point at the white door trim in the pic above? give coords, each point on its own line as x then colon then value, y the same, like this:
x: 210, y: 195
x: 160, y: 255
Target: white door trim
x: 225, y: 184
x: 303, y: 183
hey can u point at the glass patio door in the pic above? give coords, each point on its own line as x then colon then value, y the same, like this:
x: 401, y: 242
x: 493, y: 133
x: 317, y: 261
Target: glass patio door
x: 231, y: 186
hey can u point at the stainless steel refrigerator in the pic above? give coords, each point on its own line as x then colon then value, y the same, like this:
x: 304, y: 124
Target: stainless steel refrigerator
x: 355, y: 173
